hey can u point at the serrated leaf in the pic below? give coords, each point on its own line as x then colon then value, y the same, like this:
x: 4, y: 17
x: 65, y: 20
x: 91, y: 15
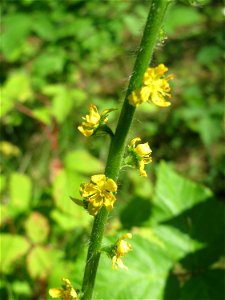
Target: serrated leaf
x: 37, y: 227
x: 174, y: 194
x: 13, y: 247
x: 40, y: 261
x: 147, y: 271
x: 202, y: 223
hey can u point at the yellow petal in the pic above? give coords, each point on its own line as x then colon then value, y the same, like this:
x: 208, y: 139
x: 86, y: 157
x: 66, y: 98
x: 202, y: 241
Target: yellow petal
x: 159, y: 100
x: 114, y: 265
x: 123, y: 247
x: 143, y: 149
x: 126, y: 236
x: 145, y: 93
x: 56, y: 293
x: 73, y: 293
x: 121, y: 265
x: 93, y: 210
x: 141, y: 168
x: 134, y: 141
x: 110, y: 185
x: 85, y: 132
x: 98, y: 178
x: 109, y: 202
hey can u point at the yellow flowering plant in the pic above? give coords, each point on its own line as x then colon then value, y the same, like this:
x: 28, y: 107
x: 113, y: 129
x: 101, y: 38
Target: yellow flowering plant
x: 98, y: 195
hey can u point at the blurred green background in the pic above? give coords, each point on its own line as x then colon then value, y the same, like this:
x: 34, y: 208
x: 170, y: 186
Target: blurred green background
x: 57, y: 57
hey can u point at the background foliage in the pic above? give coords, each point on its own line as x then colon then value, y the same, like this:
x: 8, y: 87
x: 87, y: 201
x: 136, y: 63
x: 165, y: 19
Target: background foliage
x: 58, y: 57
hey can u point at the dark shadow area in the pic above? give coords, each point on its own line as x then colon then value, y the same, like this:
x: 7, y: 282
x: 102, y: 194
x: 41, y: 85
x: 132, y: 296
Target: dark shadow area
x: 136, y: 212
x: 199, y: 275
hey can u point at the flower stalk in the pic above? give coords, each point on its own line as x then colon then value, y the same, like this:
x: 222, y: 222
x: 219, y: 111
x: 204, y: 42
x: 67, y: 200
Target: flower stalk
x: 152, y: 28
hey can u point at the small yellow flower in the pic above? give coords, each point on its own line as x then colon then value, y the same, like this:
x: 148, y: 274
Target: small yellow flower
x: 91, y: 121
x: 99, y: 192
x: 155, y: 88
x: 65, y: 293
x: 122, y: 248
x: 141, y: 154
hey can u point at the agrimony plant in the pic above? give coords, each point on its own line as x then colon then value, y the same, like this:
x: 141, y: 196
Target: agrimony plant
x: 147, y: 84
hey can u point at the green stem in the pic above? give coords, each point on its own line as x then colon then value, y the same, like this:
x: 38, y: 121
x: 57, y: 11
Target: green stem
x: 116, y: 152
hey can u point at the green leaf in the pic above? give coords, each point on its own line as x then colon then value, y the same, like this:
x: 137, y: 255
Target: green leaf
x: 21, y: 288
x: 78, y: 160
x: 16, y: 29
x: 16, y: 88
x: 67, y: 184
x: 4, y: 213
x: 63, y: 269
x: 62, y: 102
x: 43, y: 114
x: 20, y: 192
x: 183, y: 17
x: 202, y: 223
x: 174, y: 194
x: 43, y: 27
x: 68, y: 222
x: 145, y: 279
x: 50, y: 62
x: 40, y: 261
x: 13, y: 247
x: 2, y: 182
x: 37, y: 227
x: 139, y: 208
x: 204, y: 285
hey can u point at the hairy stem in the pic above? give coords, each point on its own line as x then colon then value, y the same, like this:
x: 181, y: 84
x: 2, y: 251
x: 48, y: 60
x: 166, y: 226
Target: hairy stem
x: 116, y: 151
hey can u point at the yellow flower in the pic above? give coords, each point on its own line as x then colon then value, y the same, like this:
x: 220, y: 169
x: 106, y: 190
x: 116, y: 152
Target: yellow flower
x: 65, y: 293
x: 91, y: 121
x: 99, y: 192
x: 140, y: 96
x: 141, y: 154
x: 155, y: 88
x: 122, y: 248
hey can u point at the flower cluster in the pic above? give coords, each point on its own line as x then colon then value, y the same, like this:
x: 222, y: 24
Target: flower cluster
x: 65, y: 293
x: 98, y: 192
x: 121, y: 248
x: 155, y: 88
x: 93, y: 121
x: 141, y: 154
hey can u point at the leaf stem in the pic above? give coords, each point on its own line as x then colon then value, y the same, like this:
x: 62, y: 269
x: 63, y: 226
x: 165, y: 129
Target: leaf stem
x: 153, y: 25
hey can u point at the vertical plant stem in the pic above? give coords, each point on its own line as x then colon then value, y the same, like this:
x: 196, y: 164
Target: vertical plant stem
x: 116, y: 152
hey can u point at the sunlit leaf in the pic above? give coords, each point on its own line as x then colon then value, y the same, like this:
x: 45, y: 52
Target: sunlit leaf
x: 174, y: 194
x: 40, y: 261
x: 13, y: 247
x: 37, y: 227
x: 20, y: 192
x: 78, y: 160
